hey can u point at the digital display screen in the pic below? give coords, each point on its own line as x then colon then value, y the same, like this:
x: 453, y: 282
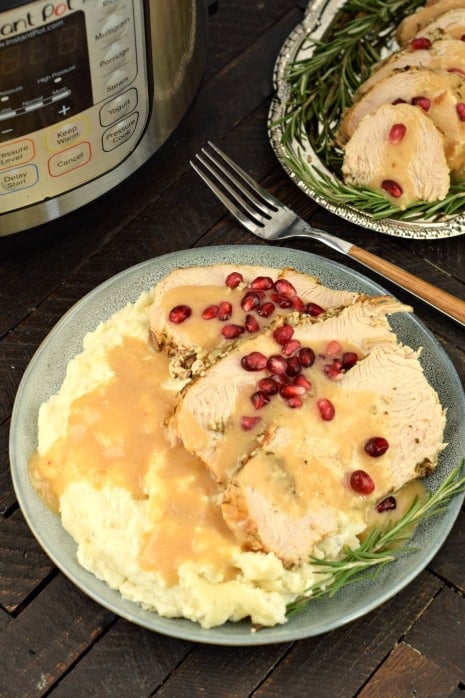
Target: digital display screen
x: 44, y: 76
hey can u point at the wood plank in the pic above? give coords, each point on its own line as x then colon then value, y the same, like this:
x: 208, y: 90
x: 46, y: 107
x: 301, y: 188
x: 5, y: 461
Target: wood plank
x: 439, y: 633
x: 241, y: 21
x: 40, y: 645
x: 407, y: 673
x: 140, y: 661
x: 7, y: 496
x: 23, y: 563
x: 213, y: 671
x: 449, y: 563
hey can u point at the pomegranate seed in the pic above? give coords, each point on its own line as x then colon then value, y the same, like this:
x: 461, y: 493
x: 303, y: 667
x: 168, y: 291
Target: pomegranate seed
x: 250, y: 301
x: 234, y: 279
x: 313, y: 309
x: 276, y: 364
x: 294, y: 402
x: 291, y: 390
x: 251, y: 324
x: 294, y: 367
x: 283, y: 334
x: 290, y: 347
x: 248, y: 423
x: 266, y: 309
x: 460, y: 107
x: 349, y: 359
x: 386, y: 504
x: 333, y: 370
x: 285, y: 288
x: 210, y: 312
x: 232, y: 331
x: 179, y: 313
x: 303, y: 382
x: 392, y: 188
x: 326, y: 408
x: 298, y: 304
x: 281, y: 300
x: 333, y: 348
x: 361, y: 482
x: 283, y: 379
x: 259, y: 399
x: 420, y: 42
x: 255, y: 361
x: 224, y: 310
x: 376, y: 446
x: 397, y: 133
x: 422, y: 102
x: 306, y: 356
x: 268, y: 386
x: 264, y: 283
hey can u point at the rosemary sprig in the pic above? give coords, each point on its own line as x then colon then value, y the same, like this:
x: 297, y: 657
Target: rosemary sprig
x: 381, y: 546
x: 370, y: 201
x: 322, y: 85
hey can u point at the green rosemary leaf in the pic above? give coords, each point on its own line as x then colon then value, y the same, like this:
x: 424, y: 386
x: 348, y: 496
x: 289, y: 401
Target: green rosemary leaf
x: 367, y: 200
x: 381, y: 546
x: 322, y: 85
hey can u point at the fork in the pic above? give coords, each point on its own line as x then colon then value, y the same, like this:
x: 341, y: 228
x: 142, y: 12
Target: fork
x: 265, y: 216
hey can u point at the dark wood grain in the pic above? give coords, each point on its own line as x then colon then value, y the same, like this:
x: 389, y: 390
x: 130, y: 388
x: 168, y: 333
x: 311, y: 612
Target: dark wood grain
x: 439, y: 635
x: 54, y: 640
x: 406, y: 672
x: 23, y: 567
x: 47, y: 637
x: 126, y: 661
x: 7, y: 497
x: 449, y: 563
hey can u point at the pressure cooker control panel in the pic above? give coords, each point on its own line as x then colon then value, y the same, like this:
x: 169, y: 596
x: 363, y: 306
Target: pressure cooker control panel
x: 73, y: 94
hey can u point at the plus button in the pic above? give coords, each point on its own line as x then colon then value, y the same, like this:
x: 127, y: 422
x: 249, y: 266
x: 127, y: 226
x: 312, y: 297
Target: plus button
x: 64, y: 110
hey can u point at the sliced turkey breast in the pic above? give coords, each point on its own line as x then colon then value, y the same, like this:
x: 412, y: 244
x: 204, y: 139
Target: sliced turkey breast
x: 443, y: 54
x: 296, y: 491
x: 200, y: 312
x: 283, y: 468
x: 398, y: 151
x: 208, y: 417
x: 441, y: 96
x: 415, y: 23
x: 449, y: 24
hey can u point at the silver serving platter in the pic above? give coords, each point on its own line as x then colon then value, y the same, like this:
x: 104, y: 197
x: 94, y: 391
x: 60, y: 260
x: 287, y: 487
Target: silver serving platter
x: 317, y: 19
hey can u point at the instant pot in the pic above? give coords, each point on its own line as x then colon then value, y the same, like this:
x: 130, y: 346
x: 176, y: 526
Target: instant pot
x: 89, y: 90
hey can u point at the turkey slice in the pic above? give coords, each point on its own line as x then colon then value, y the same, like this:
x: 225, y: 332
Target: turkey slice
x: 293, y: 493
x: 413, y: 24
x: 195, y: 343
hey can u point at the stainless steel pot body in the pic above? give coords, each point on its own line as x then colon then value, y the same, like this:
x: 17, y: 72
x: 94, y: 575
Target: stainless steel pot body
x: 89, y: 90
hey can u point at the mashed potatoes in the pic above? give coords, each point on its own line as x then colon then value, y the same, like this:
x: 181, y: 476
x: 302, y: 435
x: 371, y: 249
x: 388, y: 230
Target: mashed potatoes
x: 143, y: 511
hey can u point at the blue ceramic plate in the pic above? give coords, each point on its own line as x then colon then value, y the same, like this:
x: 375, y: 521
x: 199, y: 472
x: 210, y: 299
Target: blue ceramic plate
x: 46, y: 371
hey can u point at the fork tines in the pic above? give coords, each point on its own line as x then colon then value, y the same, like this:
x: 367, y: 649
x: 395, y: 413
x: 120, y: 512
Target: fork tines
x: 238, y: 192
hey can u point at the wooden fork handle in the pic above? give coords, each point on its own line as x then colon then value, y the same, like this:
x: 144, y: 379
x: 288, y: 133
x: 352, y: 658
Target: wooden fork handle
x: 448, y: 304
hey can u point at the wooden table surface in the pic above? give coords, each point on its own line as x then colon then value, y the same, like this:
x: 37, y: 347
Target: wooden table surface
x: 54, y: 640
